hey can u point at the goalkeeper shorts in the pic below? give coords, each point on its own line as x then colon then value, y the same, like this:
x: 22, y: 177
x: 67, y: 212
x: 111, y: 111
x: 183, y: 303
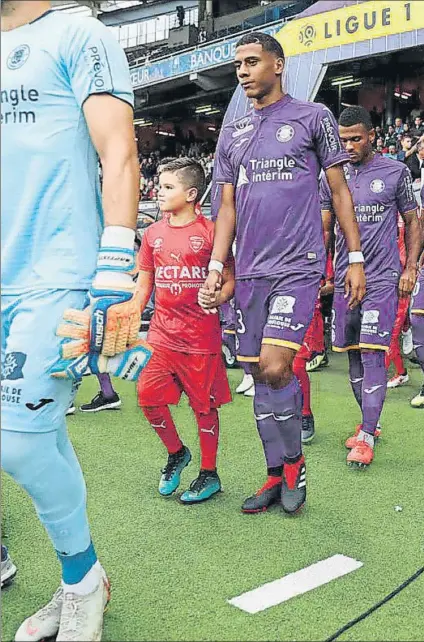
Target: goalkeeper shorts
x: 31, y: 400
x: 168, y: 374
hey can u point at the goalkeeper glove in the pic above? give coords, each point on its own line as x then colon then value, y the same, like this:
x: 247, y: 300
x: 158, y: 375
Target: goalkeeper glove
x: 126, y: 365
x: 111, y: 321
x: 115, y: 313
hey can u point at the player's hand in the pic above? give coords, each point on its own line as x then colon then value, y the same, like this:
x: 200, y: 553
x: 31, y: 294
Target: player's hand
x: 126, y: 365
x: 114, y: 298
x: 115, y: 314
x: 211, y: 287
x: 207, y: 300
x: 407, y: 282
x: 355, y: 284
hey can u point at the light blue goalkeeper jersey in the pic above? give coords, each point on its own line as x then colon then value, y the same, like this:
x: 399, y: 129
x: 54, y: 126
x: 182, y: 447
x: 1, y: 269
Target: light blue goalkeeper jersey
x: 51, y: 214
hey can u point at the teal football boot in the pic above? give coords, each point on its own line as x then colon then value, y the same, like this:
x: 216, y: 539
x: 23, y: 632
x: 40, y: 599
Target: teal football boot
x: 171, y: 474
x: 202, y: 488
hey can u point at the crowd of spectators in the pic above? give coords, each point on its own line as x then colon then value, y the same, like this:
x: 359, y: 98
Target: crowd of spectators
x: 149, y: 164
x: 404, y: 142
x: 401, y: 141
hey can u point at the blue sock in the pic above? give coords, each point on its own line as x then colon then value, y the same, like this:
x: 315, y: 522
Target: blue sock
x: 76, y: 567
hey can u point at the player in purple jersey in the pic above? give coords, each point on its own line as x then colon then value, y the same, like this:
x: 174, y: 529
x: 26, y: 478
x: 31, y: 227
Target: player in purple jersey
x: 268, y: 164
x: 381, y: 188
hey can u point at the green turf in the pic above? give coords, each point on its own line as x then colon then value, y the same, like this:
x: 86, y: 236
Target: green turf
x: 173, y: 567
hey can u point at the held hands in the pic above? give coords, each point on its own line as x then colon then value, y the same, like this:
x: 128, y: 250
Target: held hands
x: 407, y: 282
x: 355, y: 283
x: 208, y: 297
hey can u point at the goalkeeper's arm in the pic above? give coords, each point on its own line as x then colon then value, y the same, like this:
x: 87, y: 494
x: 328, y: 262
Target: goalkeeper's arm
x: 110, y: 123
x: 114, y: 304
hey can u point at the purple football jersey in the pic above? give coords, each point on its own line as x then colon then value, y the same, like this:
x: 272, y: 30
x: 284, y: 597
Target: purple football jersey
x: 380, y: 190
x: 273, y: 157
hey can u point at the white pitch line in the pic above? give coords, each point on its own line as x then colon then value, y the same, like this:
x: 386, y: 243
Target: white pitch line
x: 289, y: 586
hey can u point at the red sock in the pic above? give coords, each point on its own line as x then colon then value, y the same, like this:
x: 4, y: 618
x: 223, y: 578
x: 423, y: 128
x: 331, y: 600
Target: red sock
x: 398, y: 361
x: 161, y: 421
x: 299, y: 370
x: 208, y: 426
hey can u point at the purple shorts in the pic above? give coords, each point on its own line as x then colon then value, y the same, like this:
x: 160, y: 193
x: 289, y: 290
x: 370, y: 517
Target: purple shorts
x: 417, y: 303
x: 275, y: 311
x: 369, y: 325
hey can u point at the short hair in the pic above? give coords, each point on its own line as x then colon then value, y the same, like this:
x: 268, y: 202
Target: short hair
x: 269, y: 44
x: 189, y: 171
x: 355, y: 115
x: 420, y: 145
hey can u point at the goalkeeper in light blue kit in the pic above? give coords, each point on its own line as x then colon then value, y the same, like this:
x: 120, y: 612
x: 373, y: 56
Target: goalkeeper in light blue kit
x: 66, y: 100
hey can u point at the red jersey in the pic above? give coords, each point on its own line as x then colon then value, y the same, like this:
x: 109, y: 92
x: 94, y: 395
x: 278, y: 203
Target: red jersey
x: 179, y: 258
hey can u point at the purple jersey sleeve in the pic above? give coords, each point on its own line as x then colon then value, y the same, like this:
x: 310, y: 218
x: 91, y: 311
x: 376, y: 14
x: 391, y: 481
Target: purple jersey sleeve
x: 405, y: 197
x: 325, y: 197
x: 327, y: 140
x: 223, y: 169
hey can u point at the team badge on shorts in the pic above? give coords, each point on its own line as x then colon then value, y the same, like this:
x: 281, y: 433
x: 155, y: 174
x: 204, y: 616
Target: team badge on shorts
x: 12, y: 368
x: 285, y: 133
x: 283, y: 305
x: 18, y: 57
x: 377, y: 186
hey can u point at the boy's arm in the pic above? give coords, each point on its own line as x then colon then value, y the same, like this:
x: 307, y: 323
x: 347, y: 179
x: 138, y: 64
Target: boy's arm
x: 145, y: 283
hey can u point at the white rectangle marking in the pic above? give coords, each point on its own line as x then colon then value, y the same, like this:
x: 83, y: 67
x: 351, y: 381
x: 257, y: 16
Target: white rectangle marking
x: 289, y: 586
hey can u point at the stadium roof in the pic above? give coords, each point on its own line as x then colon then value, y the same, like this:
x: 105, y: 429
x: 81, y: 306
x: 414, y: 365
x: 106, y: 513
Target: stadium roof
x: 102, y: 6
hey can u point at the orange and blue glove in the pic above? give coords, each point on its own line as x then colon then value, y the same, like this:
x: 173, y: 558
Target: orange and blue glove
x: 109, y: 325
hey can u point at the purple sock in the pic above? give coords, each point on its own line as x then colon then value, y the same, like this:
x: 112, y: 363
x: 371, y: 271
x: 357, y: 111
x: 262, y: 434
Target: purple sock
x: 356, y: 374
x: 106, y: 385
x: 286, y: 405
x: 418, y: 337
x: 267, y: 427
x: 374, y: 389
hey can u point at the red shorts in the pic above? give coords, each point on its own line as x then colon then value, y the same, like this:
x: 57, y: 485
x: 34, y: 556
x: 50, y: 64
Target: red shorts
x: 168, y: 374
x: 314, y: 338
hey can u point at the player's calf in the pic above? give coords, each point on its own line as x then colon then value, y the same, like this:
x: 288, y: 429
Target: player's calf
x: 293, y: 488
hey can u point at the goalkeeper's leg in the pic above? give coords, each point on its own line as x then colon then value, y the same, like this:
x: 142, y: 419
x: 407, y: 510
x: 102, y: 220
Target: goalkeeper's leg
x: 37, y: 453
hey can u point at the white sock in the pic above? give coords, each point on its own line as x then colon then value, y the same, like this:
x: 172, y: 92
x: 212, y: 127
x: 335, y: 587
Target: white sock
x: 365, y: 436
x: 89, y: 582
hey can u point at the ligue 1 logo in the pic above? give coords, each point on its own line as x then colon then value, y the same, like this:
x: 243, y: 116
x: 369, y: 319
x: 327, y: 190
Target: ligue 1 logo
x: 18, y: 57
x: 377, y: 186
x: 307, y: 35
x: 285, y: 133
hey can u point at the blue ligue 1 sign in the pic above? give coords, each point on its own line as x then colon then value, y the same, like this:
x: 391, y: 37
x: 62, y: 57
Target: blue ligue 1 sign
x: 194, y: 60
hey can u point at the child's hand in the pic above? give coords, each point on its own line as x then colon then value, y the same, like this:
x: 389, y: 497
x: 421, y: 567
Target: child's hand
x: 208, y: 300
